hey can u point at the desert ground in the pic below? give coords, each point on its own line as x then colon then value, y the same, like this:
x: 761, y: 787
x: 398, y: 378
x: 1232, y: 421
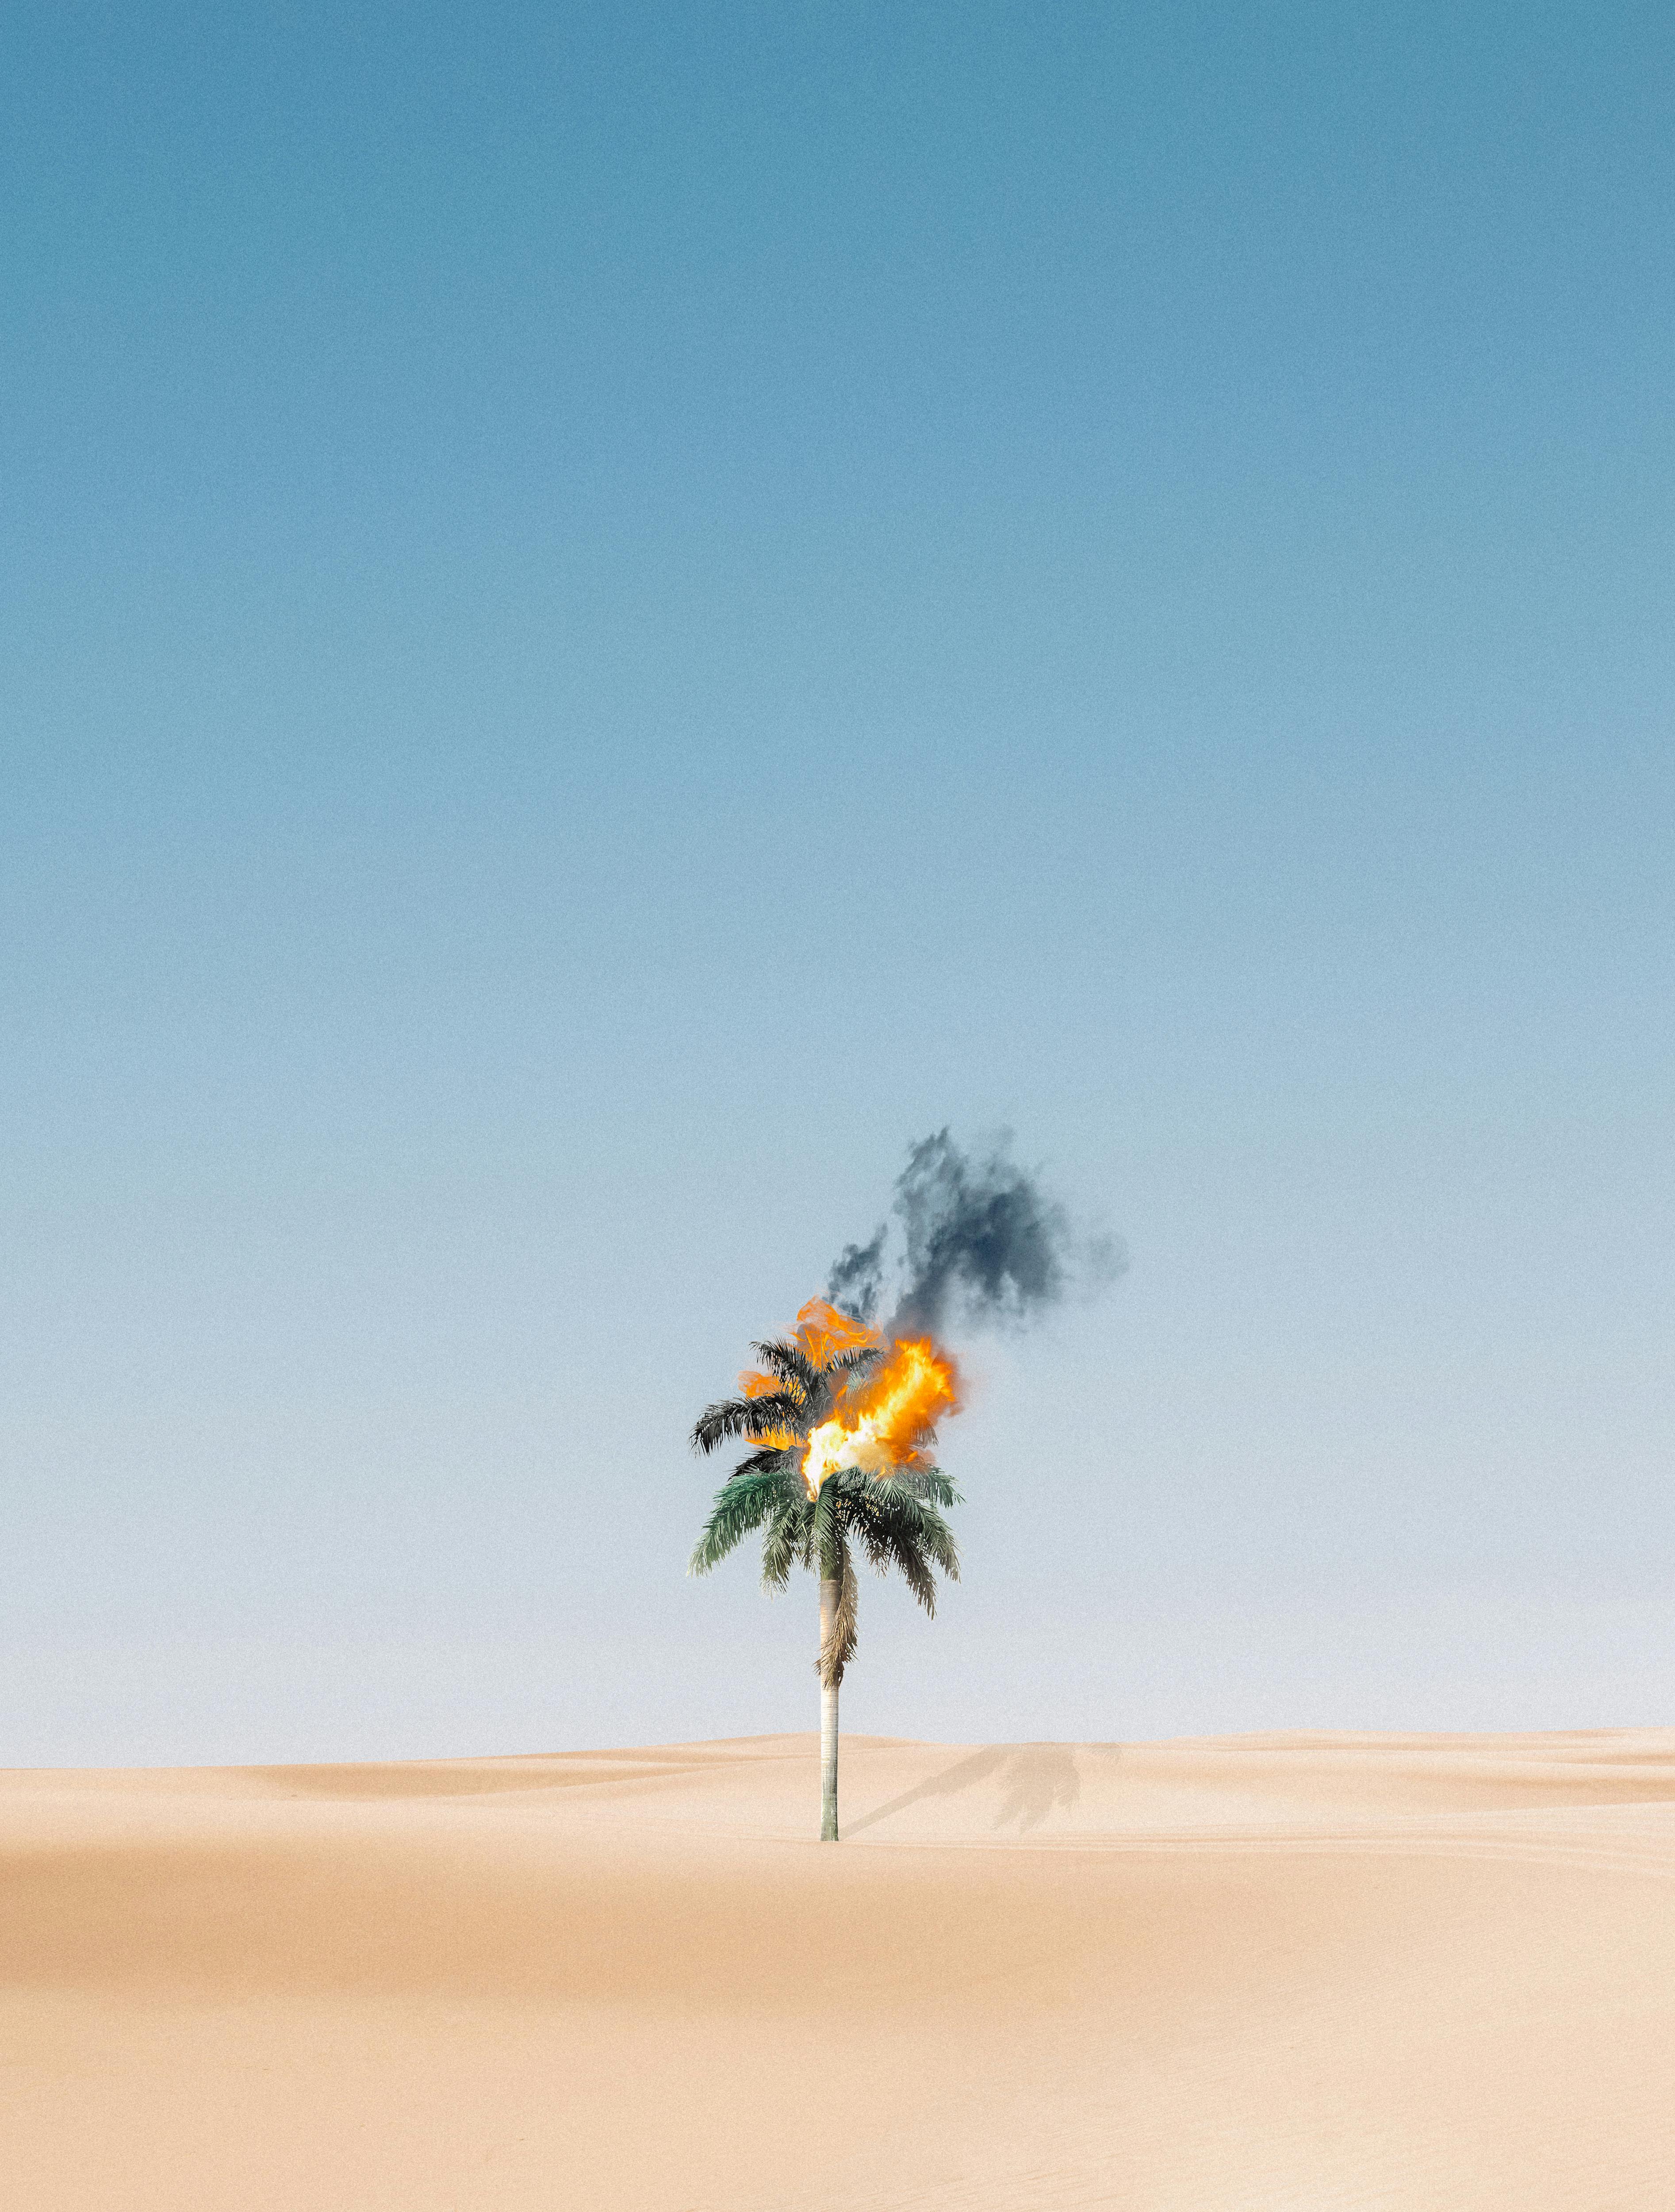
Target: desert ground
x: 1290, y: 1971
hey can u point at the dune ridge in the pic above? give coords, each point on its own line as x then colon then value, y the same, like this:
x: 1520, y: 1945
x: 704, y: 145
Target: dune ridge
x: 1307, y: 1970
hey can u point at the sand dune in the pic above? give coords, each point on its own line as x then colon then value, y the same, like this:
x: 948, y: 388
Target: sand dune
x: 1311, y: 1972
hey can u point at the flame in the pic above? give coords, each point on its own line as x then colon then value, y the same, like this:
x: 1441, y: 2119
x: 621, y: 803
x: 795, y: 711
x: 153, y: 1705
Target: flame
x: 753, y: 1383
x: 823, y: 1331
x: 890, y: 1417
x: 882, y: 1423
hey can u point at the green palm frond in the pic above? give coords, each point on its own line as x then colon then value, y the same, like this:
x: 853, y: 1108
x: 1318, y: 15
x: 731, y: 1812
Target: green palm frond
x: 741, y: 1505
x: 824, y: 1533
x: 928, y: 1483
x: 911, y: 1521
x: 781, y: 1544
x: 907, y: 1558
x: 899, y: 1530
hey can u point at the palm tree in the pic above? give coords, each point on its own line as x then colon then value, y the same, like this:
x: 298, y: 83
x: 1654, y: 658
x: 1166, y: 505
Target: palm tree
x: 819, y: 1520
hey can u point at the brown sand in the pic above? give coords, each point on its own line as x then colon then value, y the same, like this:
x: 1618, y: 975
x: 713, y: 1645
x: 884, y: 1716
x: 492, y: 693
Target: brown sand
x: 1309, y: 1971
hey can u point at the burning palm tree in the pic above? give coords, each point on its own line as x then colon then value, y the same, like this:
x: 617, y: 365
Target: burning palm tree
x: 842, y: 1423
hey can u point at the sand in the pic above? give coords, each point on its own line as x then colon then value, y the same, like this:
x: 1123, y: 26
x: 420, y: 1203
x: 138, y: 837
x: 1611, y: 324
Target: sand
x: 1293, y: 1971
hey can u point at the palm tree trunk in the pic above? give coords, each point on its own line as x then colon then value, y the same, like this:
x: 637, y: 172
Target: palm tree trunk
x: 828, y: 1719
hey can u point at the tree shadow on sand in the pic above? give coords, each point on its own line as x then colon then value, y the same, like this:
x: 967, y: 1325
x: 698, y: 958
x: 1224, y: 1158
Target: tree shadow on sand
x: 1035, y: 1780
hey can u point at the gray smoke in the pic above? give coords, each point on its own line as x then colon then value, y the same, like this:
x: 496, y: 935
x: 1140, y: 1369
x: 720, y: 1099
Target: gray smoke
x: 857, y: 1280
x: 981, y: 1243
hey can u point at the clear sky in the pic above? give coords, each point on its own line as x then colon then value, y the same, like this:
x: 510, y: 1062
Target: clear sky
x: 606, y: 613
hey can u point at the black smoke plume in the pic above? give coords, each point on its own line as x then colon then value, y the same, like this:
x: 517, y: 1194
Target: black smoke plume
x: 981, y: 1243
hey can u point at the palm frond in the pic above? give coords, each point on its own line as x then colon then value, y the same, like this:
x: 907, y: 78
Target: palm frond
x: 786, y: 1532
x: 856, y: 1360
x: 824, y: 1534
x: 774, y: 1458
x: 739, y: 1507
x: 899, y: 1529
x: 928, y: 1483
x: 898, y: 1548
x: 776, y: 1413
x: 796, y: 1371
x: 920, y: 1524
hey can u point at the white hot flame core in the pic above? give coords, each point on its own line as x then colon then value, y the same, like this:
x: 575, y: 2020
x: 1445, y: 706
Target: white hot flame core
x: 899, y: 1409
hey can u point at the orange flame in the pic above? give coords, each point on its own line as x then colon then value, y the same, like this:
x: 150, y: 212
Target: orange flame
x: 889, y: 1415
x: 892, y: 1415
x: 823, y: 1331
x: 753, y: 1383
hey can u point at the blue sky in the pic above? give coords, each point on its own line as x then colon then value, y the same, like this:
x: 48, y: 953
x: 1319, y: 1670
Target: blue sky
x: 609, y: 612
